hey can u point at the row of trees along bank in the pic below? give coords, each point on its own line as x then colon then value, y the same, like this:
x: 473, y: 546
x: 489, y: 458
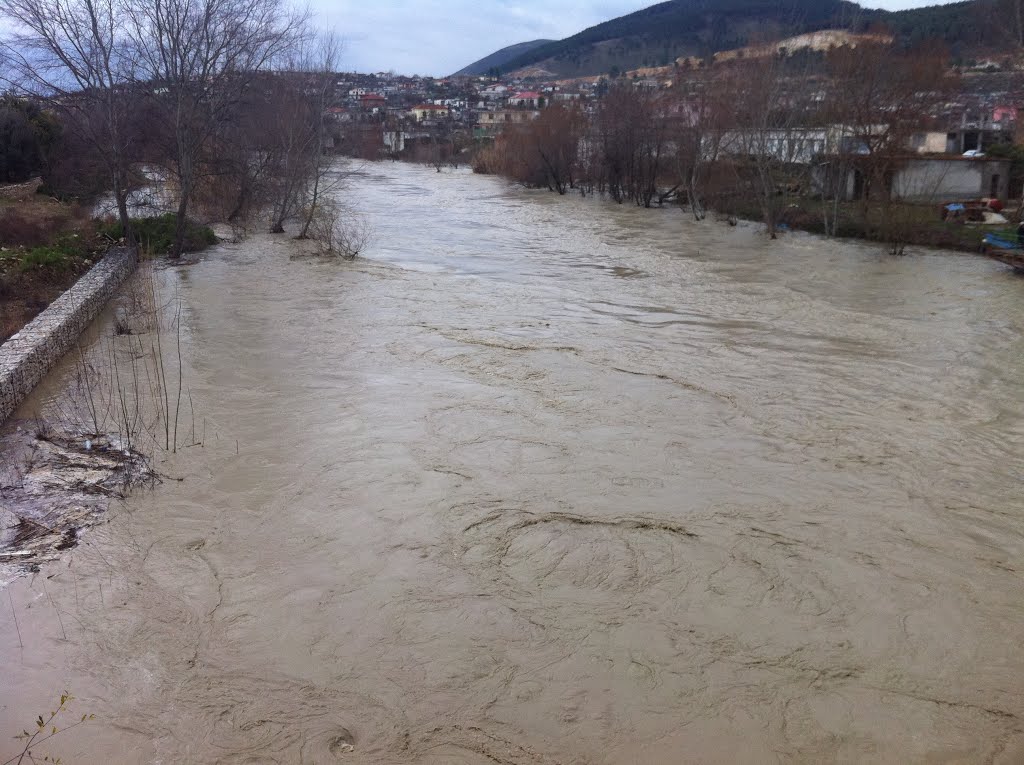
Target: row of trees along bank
x: 744, y: 137
x: 225, y: 99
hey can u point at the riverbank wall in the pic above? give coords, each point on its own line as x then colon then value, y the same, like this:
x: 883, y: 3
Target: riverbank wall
x: 29, y: 354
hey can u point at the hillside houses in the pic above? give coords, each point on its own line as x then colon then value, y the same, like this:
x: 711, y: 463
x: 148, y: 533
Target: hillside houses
x: 374, y: 103
x: 491, y: 123
x: 528, y: 99
x: 393, y: 115
x: 930, y: 168
x: 429, y: 112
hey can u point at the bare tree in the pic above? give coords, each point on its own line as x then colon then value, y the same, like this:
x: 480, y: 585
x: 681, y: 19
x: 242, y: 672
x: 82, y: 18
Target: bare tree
x: 199, y: 57
x: 543, y: 153
x: 321, y: 62
x: 632, y: 132
x: 617, y: 124
x: 339, y: 230
x: 73, y: 52
x: 881, y: 96
x: 772, y: 140
x: 297, y: 133
x: 291, y: 148
x: 694, y: 136
x: 557, y: 135
x: 436, y: 151
x: 240, y: 171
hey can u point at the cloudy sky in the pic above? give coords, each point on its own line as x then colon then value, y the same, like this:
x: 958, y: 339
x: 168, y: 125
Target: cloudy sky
x: 438, y: 37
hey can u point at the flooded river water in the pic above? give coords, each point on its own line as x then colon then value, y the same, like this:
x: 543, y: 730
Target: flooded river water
x: 546, y: 480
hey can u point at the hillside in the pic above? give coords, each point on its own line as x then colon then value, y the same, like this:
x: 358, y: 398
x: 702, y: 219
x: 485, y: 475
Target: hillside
x: 498, y: 59
x: 659, y: 35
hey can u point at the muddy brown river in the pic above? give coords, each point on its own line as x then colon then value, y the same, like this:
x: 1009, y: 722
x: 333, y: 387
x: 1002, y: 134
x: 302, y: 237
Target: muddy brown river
x: 545, y: 480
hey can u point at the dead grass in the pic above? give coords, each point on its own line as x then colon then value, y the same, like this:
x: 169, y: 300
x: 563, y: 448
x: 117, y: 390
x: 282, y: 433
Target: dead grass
x: 45, y: 246
x: 35, y: 220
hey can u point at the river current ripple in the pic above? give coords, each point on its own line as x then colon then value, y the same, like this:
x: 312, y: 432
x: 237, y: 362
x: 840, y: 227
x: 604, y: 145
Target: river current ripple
x: 547, y: 480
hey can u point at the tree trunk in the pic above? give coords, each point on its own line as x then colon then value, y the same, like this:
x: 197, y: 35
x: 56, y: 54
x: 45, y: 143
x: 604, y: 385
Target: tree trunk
x: 695, y: 204
x: 314, y: 200
x: 122, y: 214
x: 180, y: 227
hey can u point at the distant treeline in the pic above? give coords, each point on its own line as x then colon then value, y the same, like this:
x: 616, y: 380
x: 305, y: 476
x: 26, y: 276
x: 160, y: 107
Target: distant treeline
x: 28, y: 135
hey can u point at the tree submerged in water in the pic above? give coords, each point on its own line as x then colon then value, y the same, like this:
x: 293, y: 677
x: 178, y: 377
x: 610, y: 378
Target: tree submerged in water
x: 337, y: 230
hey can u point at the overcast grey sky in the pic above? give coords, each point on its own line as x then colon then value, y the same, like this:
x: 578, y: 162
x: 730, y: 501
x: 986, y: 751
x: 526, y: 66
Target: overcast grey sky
x: 438, y: 37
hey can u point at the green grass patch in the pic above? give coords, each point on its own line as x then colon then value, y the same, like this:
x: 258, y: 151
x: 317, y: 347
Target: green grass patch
x: 156, y: 234
x: 53, y: 258
x: 66, y: 253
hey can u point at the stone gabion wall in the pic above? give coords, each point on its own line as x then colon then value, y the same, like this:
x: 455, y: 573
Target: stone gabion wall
x: 21, y: 190
x: 27, y: 356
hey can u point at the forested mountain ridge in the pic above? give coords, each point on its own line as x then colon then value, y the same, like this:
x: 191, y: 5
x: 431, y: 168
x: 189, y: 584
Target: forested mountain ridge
x: 658, y: 35
x: 501, y: 57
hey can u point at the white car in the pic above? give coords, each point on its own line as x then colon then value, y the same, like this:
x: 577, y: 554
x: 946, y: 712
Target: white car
x: 974, y: 153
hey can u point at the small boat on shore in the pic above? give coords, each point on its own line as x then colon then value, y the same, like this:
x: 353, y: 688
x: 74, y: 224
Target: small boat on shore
x: 1004, y: 250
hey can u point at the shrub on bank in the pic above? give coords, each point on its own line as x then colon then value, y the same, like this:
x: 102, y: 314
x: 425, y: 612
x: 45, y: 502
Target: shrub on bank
x: 156, y: 234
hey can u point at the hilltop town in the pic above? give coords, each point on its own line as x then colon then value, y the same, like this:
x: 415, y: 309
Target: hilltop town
x: 385, y: 115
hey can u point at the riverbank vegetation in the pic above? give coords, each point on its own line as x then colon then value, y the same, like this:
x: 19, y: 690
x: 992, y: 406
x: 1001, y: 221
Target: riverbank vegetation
x: 214, y: 109
x: 168, y: 116
x: 156, y: 235
x: 896, y: 225
x: 45, y: 245
x: 817, y: 143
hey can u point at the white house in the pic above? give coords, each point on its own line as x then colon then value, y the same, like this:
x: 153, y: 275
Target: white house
x: 928, y: 179
x: 937, y: 179
x: 528, y: 98
x: 494, y: 92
